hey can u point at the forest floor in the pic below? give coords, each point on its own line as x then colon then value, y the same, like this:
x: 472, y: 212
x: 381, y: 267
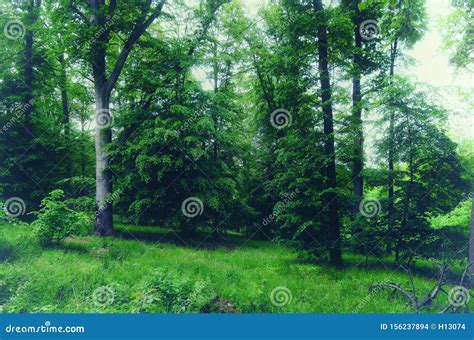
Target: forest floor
x: 240, y: 274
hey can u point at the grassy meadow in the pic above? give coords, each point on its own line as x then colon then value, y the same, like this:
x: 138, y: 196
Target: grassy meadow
x: 149, y: 270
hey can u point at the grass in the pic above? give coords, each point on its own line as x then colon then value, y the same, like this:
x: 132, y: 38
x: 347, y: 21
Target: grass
x: 242, y: 273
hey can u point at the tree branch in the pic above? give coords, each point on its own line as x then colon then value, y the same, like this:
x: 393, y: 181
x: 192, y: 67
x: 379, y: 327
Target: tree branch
x: 136, y: 33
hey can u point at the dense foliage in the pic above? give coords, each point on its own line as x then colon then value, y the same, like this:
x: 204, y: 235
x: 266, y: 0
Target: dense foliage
x: 208, y: 119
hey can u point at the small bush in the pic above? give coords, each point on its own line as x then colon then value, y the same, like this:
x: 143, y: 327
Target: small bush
x: 56, y: 220
x: 166, y: 293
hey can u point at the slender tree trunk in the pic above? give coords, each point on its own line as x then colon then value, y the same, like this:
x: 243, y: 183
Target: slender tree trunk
x: 358, y: 162
x: 215, y: 121
x: 391, y: 146
x: 83, y: 156
x: 334, y: 233
x: 471, y: 245
x: 407, y: 204
x: 31, y: 18
x: 64, y: 96
x: 393, y: 56
x: 216, y: 89
x: 65, y: 108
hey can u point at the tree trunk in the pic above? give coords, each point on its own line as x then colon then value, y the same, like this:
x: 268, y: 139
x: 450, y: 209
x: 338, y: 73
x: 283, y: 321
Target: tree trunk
x: 391, y: 146
x: 358, y: 161
x: 393, y: 56
x: 334, y: 233
x: 64, y: 96
x: 103, y: 86
x: 31, y: 18
x: 65, y: 108
x: 103, y: 137
x: 471, y: 245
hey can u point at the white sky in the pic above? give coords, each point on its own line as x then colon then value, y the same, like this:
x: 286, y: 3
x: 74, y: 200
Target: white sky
x: 432, y: 67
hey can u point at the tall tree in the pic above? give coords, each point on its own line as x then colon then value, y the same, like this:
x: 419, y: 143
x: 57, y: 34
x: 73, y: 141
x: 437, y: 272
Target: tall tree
x: 459, y: 41
x: 31, y: 17
x: 333, y: 228
x: 402, y: 22
x: 358, y: 160
x: 101, y: 15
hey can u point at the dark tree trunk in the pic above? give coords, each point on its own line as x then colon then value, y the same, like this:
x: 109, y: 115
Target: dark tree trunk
x: 393, y: 56
x: 31, y: 18
x: 216, y: 127
x: 391, y: 146
x: 64, y: 96
x: 65, y: 108
x: 333, y: 232
x: 358, y: 161
x: 471, y: 245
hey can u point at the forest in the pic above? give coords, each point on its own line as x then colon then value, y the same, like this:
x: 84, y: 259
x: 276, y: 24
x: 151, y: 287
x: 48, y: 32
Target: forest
x: 226, y: 156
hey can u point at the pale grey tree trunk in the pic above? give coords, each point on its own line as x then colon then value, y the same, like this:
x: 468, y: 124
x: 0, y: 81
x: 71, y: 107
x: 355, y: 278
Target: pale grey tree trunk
x: 103, y: 87
x: 103, y: 137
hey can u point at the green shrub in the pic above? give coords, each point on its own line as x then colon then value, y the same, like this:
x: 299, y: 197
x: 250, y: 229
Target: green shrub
x: 56, y: 220
x: 163, y: 292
